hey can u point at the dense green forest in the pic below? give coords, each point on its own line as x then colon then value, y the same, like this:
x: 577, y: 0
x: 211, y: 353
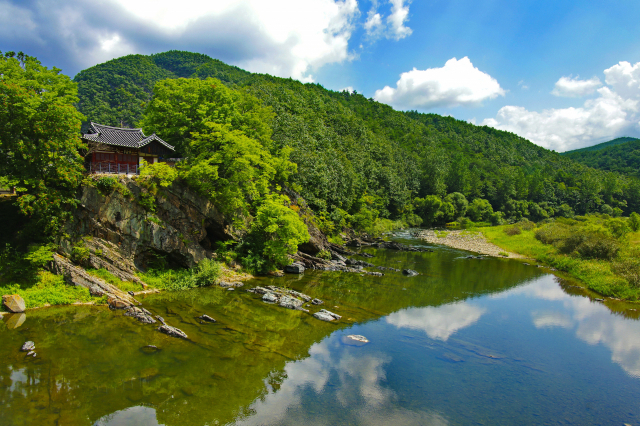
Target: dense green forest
x: 620, y: 155
x: 358, y: 160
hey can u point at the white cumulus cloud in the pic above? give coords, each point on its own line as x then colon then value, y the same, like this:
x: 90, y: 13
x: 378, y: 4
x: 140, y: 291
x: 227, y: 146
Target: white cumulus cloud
x: 457, y: 83
x: 574, y: 87
x: 393, y: 25
x: 287, y: 38
x: 624, y: 79
x: 605, y: 117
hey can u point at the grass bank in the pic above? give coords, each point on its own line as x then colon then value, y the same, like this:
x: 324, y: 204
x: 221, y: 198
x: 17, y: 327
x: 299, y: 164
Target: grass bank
x: 600, y: 251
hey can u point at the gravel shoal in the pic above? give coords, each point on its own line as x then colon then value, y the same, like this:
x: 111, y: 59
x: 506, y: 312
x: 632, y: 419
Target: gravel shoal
x: 465, y: 240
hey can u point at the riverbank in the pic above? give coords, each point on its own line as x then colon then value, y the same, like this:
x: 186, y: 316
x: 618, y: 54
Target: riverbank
x: 474, y: 241
x: 614, y: 277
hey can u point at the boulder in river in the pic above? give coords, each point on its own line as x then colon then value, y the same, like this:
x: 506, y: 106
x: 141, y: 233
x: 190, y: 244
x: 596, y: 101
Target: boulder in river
x: 28, y: 346
x: 409, y: 272
x: 172, y: 331
x: 290, y: 302
x: 294, y: 268
x: 13, y: 303
x: 325, y: 315
x: 317, y: 302
x: 117, y: 303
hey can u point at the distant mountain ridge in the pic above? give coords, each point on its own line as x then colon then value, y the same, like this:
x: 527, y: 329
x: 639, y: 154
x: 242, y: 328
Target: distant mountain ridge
x: 602, y: 145
x: 621, y: 155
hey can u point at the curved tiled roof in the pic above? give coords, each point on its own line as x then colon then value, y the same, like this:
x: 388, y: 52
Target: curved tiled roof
x: 131, y: 138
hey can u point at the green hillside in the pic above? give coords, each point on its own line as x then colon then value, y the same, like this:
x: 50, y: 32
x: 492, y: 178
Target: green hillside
x: 600, y: 146
x: 620, y: 155
x: 360, y: 159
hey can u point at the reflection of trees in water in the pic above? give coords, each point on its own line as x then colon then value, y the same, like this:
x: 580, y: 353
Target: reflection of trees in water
x: 90, y: 363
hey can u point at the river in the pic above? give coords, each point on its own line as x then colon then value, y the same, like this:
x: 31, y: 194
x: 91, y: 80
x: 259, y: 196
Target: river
x: 468, y: 341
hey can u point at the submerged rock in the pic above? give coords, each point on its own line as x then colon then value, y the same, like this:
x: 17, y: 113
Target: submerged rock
x: 317, y: 302
x: 28, y: 346
x: 325, y: 315
x: 150, y: 349
x: 172, y: 331
x: 13, y: 303
x: 140, y: 314
x: 354, y: 340
x: 206, y: 318
x: 409, y: 272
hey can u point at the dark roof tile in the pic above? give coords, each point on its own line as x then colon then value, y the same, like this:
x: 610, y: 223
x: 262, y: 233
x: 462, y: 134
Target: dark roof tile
x: 118, y: 136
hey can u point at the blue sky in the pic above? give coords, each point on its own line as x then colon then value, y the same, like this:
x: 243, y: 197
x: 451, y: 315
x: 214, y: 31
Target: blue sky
x: 564, y: 74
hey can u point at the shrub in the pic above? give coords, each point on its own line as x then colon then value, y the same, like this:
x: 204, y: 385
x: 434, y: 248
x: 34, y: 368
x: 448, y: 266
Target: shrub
x: 618, y: 227
x: 324, y: 254
x: 526, y: 225
x: 634, y: 221
x: 590, y: 245
x: 79, y: 253
x: 512, y: 230
x: 480, y: 209
x: 106, y: 184
x: 629, y: 269
x: 552, y: 233
x: 496, y: 218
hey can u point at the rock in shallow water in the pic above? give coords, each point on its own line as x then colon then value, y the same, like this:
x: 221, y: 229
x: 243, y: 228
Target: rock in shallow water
x: 325, y: 315
x: 409, y: 272
x: 206, y: 318
x: 290, y: 302
x: 172, y: 331
x: 140, y: 314
x: 269, y: 298
x: 355, y: 340
x: 28, y: 346
x: 13, y: 303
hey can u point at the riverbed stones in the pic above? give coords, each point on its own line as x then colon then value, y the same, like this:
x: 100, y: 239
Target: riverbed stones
x: 28, y: 346
x: 317, y: 302
x: 294, y: 268
x: 172, y: 331
x: 324, y: 315
x: 140, y: 314
x: 13, y: 303
x: 409, y: 272
x: 116, y: 303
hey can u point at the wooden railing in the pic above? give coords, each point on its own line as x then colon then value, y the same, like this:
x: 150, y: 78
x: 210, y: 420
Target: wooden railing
x: 115, y: 168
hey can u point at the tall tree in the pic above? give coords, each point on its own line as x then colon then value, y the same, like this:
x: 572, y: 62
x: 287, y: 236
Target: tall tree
x: 40, y: 138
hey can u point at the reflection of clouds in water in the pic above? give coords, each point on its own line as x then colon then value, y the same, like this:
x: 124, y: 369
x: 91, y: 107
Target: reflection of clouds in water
x: 551, y: 319
x: 438, y: 322
x: 132, y: 416
x: 360, y: 392
x: 594, y: 322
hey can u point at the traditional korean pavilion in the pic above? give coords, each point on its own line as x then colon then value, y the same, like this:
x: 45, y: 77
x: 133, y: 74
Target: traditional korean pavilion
x: 121, y: 150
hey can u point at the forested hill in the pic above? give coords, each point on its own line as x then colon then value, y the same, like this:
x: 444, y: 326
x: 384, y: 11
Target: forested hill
x: 356, y: 155
x: 600, y: 146
x: 620, y: 155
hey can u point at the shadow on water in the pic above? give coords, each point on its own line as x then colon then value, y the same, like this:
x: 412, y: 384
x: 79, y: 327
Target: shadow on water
x: 259, y: 359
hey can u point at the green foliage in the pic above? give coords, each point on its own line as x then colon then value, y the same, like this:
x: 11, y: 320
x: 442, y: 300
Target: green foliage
x: 106, y: 184
x: 40, y: 139
x: 620, y: 155
x: 479, y: 210
x: 206, y: 273
x: 48, y: 289
x: 459, y: 203
x: 512, y: 230
x: 634, y: 221
x: 324, y: 254
x: 80, y: 253
x: 159, y: 172
x: 113, y: 280
x: 275, y: 233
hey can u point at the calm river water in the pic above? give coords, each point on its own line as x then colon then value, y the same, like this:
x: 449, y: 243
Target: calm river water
x: 486, y: 342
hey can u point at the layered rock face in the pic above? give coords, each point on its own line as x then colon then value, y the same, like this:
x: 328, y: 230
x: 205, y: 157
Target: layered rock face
x: 126, y: 234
